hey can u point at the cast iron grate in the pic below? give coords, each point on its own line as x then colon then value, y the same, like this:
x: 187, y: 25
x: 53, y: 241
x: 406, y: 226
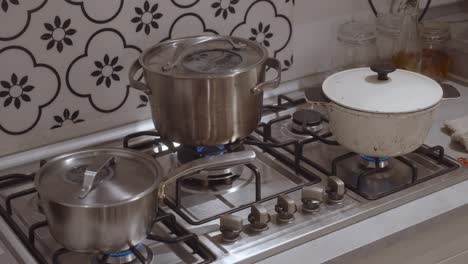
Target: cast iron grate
x: 435, y: 153
x: 28, y: 239
x: 176, y: 204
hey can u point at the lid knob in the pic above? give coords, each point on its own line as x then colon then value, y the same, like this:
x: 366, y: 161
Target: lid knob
x: 383, y: 70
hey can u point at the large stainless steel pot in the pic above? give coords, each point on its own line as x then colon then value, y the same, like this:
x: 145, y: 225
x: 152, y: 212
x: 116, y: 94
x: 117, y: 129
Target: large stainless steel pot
x: 205, y: 90
x: 379, y: 111
x: 103, y: 201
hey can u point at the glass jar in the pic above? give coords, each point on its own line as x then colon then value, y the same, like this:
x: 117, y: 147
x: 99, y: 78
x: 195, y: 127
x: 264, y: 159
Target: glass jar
x: 458, y: 53
x: 357, y: 45
x: 407, y: 53
x: 435, y: 57
x: 388, y: 31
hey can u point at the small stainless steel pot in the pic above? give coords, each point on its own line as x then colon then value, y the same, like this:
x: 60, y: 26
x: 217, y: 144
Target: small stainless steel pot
x: 106, y: 200
x: 379, y: 111
x: 205, y: 90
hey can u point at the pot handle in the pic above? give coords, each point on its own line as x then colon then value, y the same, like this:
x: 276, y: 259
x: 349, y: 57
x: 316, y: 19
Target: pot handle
x: 275, y: 64
x: 213, y: 162
x: 183, y: 50
x: 90, y: 175
x: 133, y: 82
x: 315, y: 96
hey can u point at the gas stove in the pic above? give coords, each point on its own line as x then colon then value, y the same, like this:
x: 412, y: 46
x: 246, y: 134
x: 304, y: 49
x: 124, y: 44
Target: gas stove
x: 301, y: 186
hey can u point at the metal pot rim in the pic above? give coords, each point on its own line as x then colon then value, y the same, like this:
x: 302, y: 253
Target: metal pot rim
x: 156, y: 166
x: 386, y: 113
x: 100, y: 206
x: 204, y: 77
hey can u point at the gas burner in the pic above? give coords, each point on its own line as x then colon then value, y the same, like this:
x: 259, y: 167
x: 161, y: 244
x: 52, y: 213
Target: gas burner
x: 373, y: 163
x: 189, y: 153
x: 310, y: 119
x: 141, y: 254
x: 219, y: 181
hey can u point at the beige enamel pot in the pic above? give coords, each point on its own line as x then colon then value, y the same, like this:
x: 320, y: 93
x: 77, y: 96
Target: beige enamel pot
x: 379, y: 111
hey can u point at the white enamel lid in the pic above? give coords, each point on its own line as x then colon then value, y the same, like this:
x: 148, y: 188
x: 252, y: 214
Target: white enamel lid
x: 402, y: 92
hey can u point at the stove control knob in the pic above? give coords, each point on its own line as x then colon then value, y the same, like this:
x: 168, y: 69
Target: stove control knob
x: 312, y: 197
x: 259, y: 218
x: 230, y: 227
x: 286, y: 208
x: 336, y: 190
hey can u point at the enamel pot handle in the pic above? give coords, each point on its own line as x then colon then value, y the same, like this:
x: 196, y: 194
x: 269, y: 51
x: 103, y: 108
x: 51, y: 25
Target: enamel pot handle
x: 316, y: 96
x: 135, y: 83
x: 261, y: 87
x: 213, y: 162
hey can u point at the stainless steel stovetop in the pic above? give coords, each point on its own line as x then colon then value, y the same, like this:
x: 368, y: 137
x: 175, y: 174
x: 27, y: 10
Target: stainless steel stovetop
x: 299, y: 188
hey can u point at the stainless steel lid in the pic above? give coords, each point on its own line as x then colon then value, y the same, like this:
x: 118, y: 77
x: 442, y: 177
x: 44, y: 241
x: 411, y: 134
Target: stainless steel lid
x: 203, y: 56
x: 115, y: 176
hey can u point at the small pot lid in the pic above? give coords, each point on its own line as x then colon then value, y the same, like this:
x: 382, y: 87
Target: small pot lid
x: 203, y: 56
x: 128, y: 176
x: 382, y: 89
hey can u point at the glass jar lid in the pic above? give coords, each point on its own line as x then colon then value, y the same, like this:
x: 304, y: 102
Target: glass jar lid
x: 435, y: 31
x: 389, y: 24
x: 356, y: 33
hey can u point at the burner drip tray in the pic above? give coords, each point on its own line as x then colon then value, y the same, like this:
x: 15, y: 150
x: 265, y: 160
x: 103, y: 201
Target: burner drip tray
x: 220, y: 181
x: 214, y: 181
x: 374, y: 178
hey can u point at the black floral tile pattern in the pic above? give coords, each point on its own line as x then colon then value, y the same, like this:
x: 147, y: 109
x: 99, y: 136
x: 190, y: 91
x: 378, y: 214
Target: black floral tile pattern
x: 89, y: 46
x: 15, y: 17
x: 184, y: 3
x: 58, y: 34
x: 288, y: 63
x: 224, y: 7
x: 272, y: 29
x: 17, y: 91
x: 192, y: 20
x: 107, y: 70
x: 66, y: 117
x: 110, y: 9
x: 146, y: 17
x: 261, y: 34
x: 98, y: 73
x: 6, y: 4
x: 26, y: 88
x: 143, y: 101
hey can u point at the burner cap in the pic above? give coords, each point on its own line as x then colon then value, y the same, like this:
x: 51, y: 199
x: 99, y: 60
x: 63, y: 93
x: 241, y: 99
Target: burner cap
x: 189, y: 153
x: 374, y: 159
x: 373, y: 163
x: 126, y: 256
x: 309, y: 117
